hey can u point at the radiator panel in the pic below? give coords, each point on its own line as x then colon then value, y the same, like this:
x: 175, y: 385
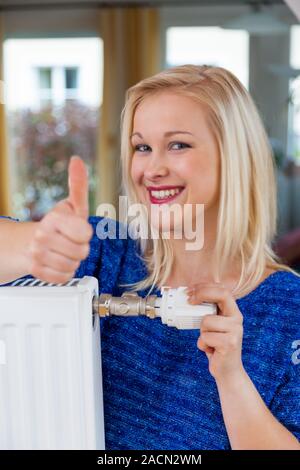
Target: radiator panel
x: 50, y: 373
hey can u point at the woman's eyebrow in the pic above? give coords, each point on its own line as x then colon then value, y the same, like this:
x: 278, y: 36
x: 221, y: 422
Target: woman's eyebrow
x: 166, y: 134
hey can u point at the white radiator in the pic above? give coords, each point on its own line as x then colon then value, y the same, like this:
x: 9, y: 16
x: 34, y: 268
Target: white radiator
x: 50, y: 366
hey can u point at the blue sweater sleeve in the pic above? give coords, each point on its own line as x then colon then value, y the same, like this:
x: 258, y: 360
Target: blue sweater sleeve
x: 285, y: 405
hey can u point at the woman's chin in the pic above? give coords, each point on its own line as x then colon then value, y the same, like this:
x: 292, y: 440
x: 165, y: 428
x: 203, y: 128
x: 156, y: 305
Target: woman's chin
x: 168, y: 230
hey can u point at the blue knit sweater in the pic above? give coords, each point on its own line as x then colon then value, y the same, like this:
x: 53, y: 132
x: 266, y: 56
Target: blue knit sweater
x: 158, y: 392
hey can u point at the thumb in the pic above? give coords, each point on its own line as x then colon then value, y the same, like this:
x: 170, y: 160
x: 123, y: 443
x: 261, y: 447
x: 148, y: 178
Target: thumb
x: 78, y: 187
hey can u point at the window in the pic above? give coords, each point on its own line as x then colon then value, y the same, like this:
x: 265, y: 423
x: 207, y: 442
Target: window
x: 210, y: 46
x: 45, y: 78
x: 53, y: 99
x: 45, y: 85
x: 71, y: 78
x: 71, y: 83
x: 57, y: 84
x: 294, y: 98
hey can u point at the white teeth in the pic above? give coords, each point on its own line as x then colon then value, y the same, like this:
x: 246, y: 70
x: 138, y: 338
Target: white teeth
x: 163, y: 194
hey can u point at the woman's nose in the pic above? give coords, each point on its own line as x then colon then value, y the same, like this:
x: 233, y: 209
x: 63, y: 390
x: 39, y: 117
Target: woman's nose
x: 155, y: 167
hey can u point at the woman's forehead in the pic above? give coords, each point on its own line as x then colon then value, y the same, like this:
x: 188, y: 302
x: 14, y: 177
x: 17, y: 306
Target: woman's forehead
x: 168, y: 111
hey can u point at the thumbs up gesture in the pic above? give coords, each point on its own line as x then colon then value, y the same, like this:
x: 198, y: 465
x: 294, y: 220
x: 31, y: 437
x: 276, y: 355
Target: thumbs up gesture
x: 61, y: 239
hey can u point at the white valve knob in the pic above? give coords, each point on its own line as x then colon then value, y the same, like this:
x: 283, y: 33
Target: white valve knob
x: 174, y: 309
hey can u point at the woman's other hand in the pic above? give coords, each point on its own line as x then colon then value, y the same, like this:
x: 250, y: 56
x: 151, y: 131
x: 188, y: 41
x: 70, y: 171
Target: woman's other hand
x: 220, y: 335
x: 60, y: 241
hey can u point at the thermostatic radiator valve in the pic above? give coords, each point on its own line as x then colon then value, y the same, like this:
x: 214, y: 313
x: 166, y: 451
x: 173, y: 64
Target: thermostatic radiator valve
x: 173, y: 307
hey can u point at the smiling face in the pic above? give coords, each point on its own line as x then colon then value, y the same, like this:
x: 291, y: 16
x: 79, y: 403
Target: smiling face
x: 173, y: 145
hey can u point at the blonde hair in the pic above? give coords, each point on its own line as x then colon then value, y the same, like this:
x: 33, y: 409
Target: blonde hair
x: 247, y: 216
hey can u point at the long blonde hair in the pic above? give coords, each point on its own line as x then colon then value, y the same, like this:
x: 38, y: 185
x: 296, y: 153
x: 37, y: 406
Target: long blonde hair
x: 247, y: 216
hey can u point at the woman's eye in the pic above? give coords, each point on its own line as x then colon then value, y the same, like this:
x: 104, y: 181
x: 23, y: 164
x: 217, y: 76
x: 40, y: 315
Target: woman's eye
x: 179, y: 145
x: 142, y: 148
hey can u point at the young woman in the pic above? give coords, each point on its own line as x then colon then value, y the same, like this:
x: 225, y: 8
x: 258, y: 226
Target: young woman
x: 197, y: 130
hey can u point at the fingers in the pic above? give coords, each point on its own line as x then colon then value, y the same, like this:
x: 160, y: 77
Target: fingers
x: 57, y: 262
x: 78, y: 187
x: 215, y: 293
x: 204, y: 347
x: 60, y: 242
x: 57, y: 253
x: 217, y: 323
x: 221, y: 335
x: 222, y: 342
x: 47, y: 274
x: 74, y: 228
x: 61, y: 245
x: 217, y: 331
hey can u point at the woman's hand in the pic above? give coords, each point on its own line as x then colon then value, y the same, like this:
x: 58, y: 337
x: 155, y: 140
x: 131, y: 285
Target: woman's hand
x: 220, y: 335
x: 60, y: 241
x: 249, y: 423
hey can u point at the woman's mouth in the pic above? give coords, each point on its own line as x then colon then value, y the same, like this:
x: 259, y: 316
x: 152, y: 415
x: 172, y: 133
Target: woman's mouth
x: 164, y: 196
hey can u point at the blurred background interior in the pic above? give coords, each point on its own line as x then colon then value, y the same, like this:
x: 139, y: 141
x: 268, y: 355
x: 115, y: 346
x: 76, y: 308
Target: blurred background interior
x: 66, y: 64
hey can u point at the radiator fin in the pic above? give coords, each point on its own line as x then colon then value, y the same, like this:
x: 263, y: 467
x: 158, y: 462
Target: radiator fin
x: 40, y: 394
x: 39, y: 283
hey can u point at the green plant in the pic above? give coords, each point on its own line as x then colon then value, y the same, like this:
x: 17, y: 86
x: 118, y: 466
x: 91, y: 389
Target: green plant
x: 42, y: 143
